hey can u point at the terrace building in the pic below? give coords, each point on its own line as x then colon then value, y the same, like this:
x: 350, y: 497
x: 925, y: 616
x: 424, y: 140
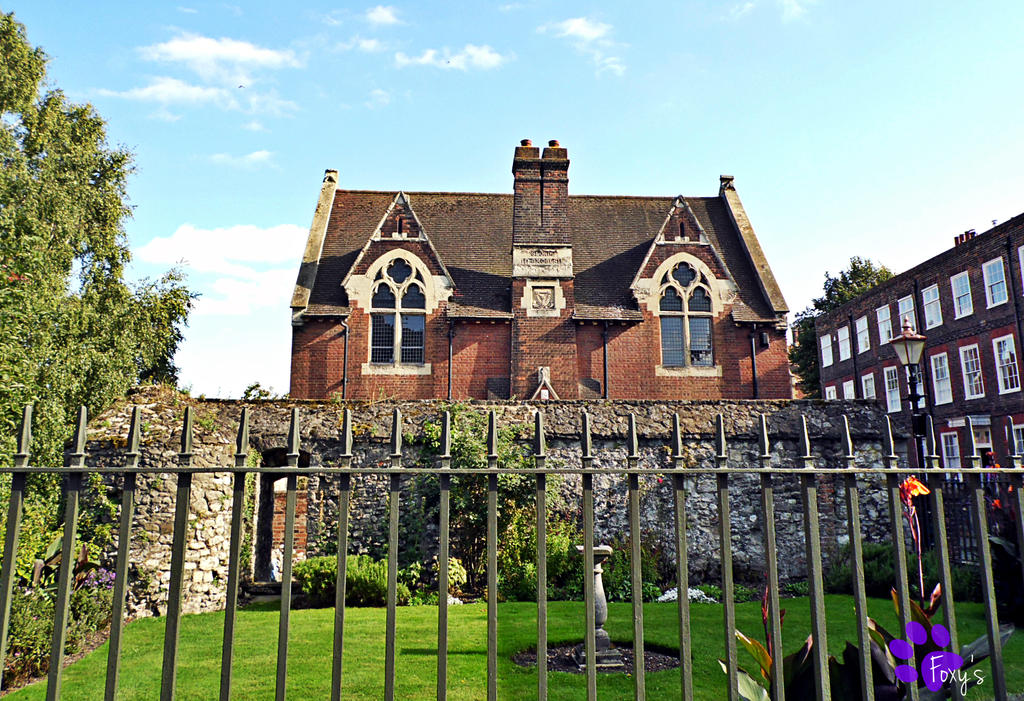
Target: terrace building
x: 968, y: 302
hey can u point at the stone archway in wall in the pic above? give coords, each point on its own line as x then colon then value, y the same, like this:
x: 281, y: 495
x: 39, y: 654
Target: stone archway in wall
x: 271, y: 499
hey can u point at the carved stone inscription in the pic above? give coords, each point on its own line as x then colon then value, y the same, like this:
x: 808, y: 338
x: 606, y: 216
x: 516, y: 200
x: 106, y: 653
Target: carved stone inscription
x: 543, y: 297
x: 542, y: 262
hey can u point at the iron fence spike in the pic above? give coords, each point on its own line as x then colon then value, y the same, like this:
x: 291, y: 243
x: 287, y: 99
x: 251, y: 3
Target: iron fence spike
x: 762, y: 437
x: 929, y: 438
x: 972, y: 446
x: 346, y: 433
x: 396, y: 432
x: 587, y: 442
x: 134, y: 429
x: 293, y: 434
x: 888, y: 446
x: 634, y: 451
x: 805, y: 439
x: 492, y: 434
x: 242, y: 439
x: 25, y: 433
x: 540, y: 444
x: 847, y: 440
x: 186, y: 432
x: 677, y: 437
x: 446, y: 434
x: 720, y: 436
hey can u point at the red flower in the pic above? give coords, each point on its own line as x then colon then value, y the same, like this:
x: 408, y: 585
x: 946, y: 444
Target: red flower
x: 996, y: 504
x: 910, y: 488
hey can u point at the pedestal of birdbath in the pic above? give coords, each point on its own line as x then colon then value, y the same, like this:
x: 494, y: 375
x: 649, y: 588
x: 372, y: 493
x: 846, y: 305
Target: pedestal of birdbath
x: 606, y: 655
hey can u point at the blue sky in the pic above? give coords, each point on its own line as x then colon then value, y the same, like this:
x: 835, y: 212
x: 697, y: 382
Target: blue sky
x: 878, y: 129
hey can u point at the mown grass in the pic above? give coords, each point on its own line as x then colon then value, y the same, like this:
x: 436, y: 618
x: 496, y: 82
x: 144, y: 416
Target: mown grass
x: 309, y: 670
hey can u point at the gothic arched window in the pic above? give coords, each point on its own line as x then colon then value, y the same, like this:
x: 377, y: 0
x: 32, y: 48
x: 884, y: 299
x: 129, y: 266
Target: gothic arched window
x: 685, y: 309
x: 397, y: 321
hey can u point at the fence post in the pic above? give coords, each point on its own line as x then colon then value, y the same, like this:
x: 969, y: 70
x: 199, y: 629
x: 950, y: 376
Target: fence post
x: 234, y: 555
x: 124, y: 536
x: 682, y: 563
x: 778, y: 687
x: 14, y: 512
x: 978, y: 508
x: 178, y: 547
x: 344, y: 492
x: 393, y: 498
x: 725, y: 545
x: 636, y: 572
x: 492, y: 558
x: 539, y: 457
x: 590, y: 615
x: 445, y: 481
x: 857, y: 563
x: 812, y: 540
x: 62, y: 605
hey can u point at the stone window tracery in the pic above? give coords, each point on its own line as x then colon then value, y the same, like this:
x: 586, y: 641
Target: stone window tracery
x: 686, y: 310
x: 397, y: 315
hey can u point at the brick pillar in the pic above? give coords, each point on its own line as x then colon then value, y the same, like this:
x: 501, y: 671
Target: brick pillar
x: 543, y: 297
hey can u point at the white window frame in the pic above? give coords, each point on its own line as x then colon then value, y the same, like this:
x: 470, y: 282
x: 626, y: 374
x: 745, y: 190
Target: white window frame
x: 863, y: 333
x: 893, y: 399
x: 867, y: 386
x: 932, y: 307
x: 942, y: 384
x: 1011, y: 381
x: 964, y: 352
x: 884, y: 324
x: 830, y: 392
x: 849, y: 392
x: 990, y: 283
x: 960, y: 311
x: 1017, y: 439
x: 905, y: 313
x: 826, y: 350
x: 950, y: 443
x: 843, y: 341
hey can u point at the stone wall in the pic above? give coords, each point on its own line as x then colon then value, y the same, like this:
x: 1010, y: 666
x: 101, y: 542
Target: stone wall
x: 216, y: 424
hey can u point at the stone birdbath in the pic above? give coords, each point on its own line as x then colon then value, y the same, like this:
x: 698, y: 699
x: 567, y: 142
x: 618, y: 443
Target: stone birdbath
x: 606, y: 655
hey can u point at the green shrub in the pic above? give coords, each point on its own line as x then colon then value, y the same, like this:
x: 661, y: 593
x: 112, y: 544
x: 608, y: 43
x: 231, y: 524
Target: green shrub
x: 741, y: 594
x: 792, y: 589
x: 616, y: 578
x: 456, y: 574
x: 880, y: 573
x: 517, y: 560
x: 31, y: 625
x: 715, y: 592
x: 366, y: 581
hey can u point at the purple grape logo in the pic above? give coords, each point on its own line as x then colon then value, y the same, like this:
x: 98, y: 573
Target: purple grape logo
x: 937, y: 667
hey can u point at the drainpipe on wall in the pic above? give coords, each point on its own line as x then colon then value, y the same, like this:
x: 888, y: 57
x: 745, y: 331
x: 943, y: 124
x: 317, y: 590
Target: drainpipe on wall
x: 753, y: 358
x: 604, y: 349
x: 451, y: 335
x: 854, y: 350
x: 344, y: 369
x: 1014, y: 279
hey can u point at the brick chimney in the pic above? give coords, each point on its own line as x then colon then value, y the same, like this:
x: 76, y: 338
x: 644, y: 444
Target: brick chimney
x: 541, y: 195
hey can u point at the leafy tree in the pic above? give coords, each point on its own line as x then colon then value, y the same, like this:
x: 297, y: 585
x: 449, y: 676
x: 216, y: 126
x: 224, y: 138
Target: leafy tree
x: 860, y: 277
x: 72, y: 329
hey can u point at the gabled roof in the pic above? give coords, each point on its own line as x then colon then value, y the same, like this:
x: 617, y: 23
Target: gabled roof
x: 472, y: 234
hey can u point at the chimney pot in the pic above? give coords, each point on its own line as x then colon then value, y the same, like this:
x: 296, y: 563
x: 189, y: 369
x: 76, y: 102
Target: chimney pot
x: 525, y: 142
x: 553, y: 143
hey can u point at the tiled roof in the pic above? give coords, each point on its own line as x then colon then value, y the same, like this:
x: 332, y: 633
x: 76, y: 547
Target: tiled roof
x: 472, y: 233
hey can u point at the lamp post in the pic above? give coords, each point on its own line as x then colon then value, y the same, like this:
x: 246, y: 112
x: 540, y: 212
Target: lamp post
x: 909, y: 347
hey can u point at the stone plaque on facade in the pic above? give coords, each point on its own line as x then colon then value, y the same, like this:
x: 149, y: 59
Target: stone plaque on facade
x: 542, y: 261
x: 543, y: 297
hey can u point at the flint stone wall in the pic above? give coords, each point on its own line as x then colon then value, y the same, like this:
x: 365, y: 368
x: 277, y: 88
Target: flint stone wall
x: 216, y: 425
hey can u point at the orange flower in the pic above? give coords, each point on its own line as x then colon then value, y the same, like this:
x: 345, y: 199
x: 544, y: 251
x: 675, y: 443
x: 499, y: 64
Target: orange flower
x: 996, y: 504
x: 910, y: 488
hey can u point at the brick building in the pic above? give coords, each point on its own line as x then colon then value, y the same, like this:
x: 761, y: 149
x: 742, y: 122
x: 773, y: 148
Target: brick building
x: 535, y: 294
x: 968, y: 302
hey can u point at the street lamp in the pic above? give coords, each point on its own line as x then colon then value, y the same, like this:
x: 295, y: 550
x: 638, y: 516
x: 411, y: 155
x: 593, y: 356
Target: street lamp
x: 909, y: 347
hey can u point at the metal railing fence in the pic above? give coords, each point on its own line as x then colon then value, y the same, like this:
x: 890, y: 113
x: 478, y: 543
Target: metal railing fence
x: 806, y: 471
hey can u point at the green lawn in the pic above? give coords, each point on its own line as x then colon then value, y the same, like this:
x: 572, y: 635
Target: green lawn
x: 311, y: 635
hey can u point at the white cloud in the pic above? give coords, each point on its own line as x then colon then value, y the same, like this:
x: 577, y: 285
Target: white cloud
x: 246, y: 161
x: 590, y: 38
x: 225, y: 61
x: 741, y: 10
x: 579, y: 28
x: 794, y: 9
x: 229, y: 296
x: 254, y: 125
x: 471, y: 56
x: 509, y: 7
x: 230, y: 251
x: 187, y: 10
x: 378, y: 98
x: 361, y: 44
x: 171, y: 91
x: 382, y: 14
